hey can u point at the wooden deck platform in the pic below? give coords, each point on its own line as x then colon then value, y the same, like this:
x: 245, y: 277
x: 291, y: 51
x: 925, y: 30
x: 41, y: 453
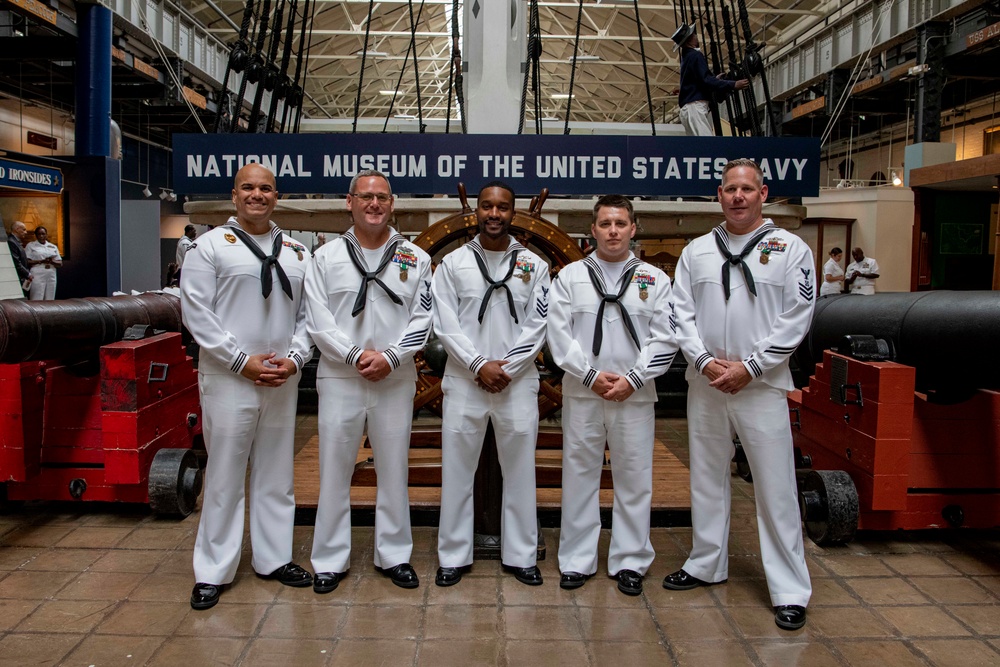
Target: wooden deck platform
x: 671, y: 490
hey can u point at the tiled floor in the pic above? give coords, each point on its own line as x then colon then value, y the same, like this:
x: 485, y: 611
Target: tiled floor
x: 110, y: 586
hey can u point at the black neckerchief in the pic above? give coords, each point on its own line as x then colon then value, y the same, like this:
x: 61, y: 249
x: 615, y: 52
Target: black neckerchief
x: 496, y: 284
x: 367, y: 276
x: 606, y: 298
x: 722, y: 240
x: 267, y: 261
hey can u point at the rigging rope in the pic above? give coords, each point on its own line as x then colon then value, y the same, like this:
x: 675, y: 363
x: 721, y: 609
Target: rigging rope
x: 361, y: 74
x: 283, y: 84
x: 572, y: 71
x: 235, y: 63
x: 399, y: 81
x: 416, y: 66
x: 645, y: 72
x: 301, y: 88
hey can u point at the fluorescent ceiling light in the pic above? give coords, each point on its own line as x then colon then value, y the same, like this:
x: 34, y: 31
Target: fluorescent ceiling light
x: 551, y: 118
x: 581, y: 59
x: 387, y: 92
x: 405, y: 116
x: 561, y: 96
x: 374, y: 54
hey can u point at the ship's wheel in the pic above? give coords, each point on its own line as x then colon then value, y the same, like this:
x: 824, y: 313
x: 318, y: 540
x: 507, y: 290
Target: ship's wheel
x: 532, y: 231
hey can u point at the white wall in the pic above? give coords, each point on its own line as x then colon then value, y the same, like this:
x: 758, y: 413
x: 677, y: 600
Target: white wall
x: 883, y: 227
x: 17, y: 119
x: 140, y: 245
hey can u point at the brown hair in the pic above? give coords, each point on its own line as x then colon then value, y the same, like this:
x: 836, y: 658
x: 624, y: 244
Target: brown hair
x: 614, y: 201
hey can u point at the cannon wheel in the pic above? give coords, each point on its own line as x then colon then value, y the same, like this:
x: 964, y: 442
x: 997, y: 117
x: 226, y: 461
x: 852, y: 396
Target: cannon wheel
x: 174, y: 482
x: 828, y: 501
x: 532, y: 231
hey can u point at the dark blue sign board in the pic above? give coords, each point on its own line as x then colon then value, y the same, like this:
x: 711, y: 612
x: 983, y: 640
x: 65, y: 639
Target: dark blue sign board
x: 26, y: 176
x: 436, y: 163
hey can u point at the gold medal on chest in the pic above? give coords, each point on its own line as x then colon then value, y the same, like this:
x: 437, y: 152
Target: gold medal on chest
x: 298, y: 253
x: 765, y: 256
x: 526, y: 276
x: 230, y: 238
x: 643, y: 293
x: 403, y: 272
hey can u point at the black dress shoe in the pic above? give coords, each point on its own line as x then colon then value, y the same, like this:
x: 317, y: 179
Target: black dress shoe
x: 790, y: 616
x: 448, y: 576
x: 402, y: 575
x: 682, y: 581
x: 205, y: 596
x: 526, y: 575
x: 290, y: 574
x: 326, y: 582
x: 629, y: 582
x: 571, y: 580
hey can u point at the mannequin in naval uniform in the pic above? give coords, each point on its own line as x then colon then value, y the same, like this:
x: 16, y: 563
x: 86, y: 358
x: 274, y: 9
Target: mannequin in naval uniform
x: 369, y: 310
x: 745, y: 294
x: 490, y: 307
x: 241, y: 299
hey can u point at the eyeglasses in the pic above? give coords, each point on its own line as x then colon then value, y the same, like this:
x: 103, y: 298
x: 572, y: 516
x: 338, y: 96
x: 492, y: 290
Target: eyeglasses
x: 367, y: 197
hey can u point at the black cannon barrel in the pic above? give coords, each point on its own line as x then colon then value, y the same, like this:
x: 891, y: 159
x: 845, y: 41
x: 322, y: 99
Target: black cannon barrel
x: 951, y: 338
x: 72, y: 328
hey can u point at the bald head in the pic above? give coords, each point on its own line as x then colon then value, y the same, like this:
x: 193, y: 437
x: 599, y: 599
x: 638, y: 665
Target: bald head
x: 255, y: 195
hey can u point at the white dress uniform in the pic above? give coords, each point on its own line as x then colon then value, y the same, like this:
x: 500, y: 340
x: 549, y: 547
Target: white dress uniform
x: 224, y: 309
x: 348, y: 313
x: 830, y: 268
x: 474, y: 331
x: 43, y: 278
x: 860, y: 285
x: 762, y: 331
x: 589, y: 421
x: 184, y: 244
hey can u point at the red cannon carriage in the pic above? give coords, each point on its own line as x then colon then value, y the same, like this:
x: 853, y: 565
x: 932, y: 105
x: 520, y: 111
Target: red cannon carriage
x: 98, y: 402
x: 901, y: 424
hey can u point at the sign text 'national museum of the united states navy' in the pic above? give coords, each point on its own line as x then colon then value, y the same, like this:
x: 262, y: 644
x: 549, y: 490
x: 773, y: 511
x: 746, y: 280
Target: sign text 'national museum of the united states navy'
x: 434, y: 164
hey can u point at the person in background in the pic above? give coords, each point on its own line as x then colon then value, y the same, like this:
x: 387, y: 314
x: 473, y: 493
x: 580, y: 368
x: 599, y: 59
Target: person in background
x: 861, y: 273
x: 833, y: 275
x: 43, y: 260
x: 698, y: 85
x: 184, y: 244
x: 15, y: 241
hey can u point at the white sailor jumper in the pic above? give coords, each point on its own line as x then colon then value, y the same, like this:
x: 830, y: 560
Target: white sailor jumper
x: 590, y: 421
x: 458, y: 288
x: 224, y: 310
x: 761, y: 331
x: 349, y: 404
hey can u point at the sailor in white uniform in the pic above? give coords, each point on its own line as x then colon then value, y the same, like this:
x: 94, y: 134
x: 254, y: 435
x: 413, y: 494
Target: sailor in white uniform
x: 611, y: 329
x: 745, y: 295
x: 369, y: 310
x: 241, y: 299
x: 861, y: 273
x: 490, y: 307
x: 43, y: 258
